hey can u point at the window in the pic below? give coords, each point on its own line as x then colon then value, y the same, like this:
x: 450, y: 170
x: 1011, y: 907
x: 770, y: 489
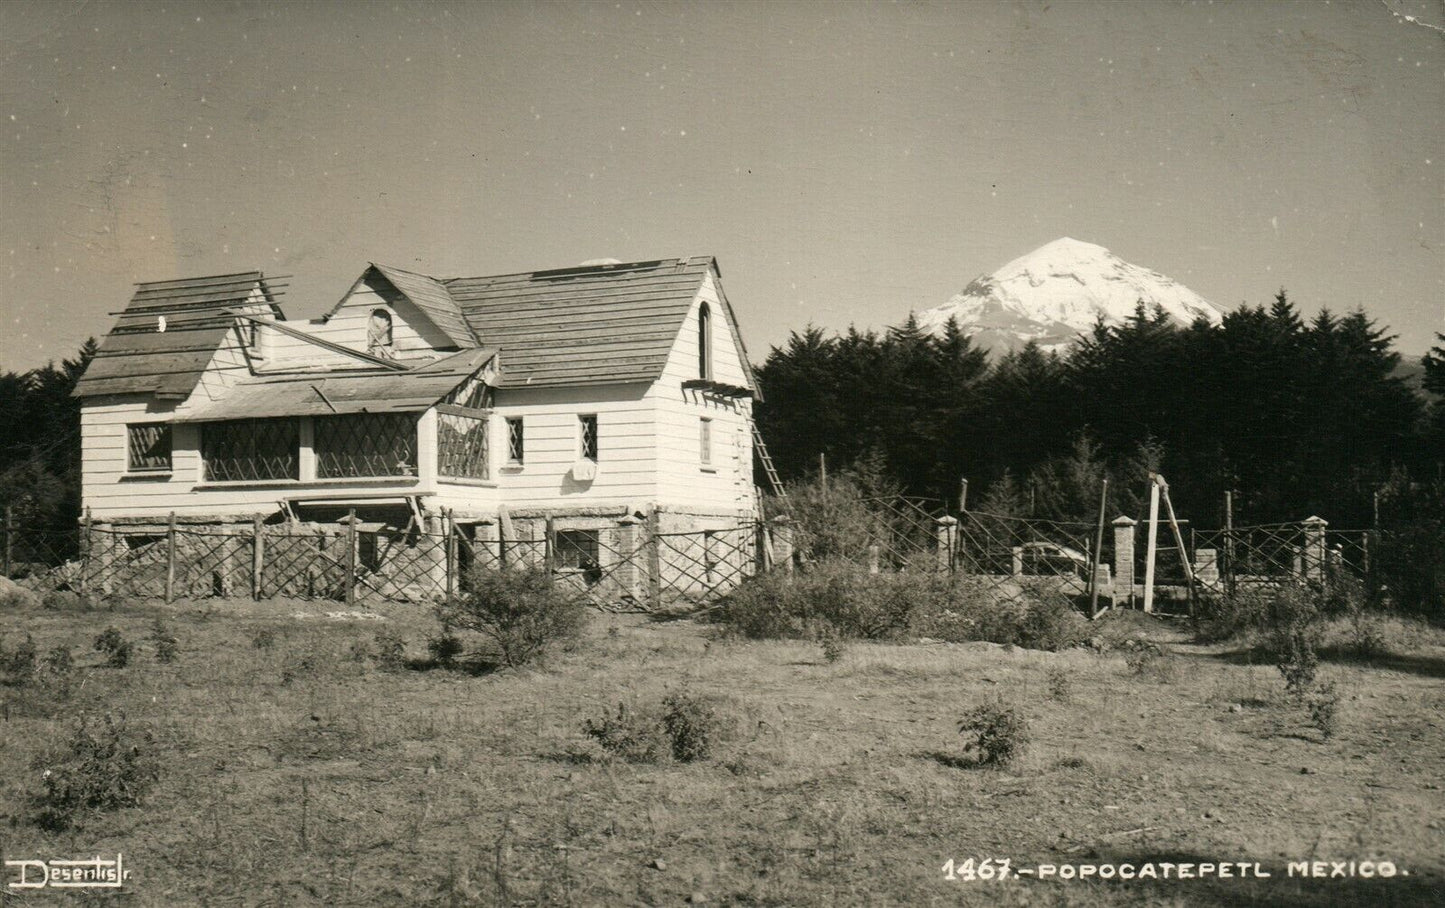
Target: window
x: 516, y: 441
x: 704, y: 342
x: 704, y: 440
x: 588, y: 425
x: 365, y: 444
x: 149, y: 447
x: 379, y: 334
x: 578, y: 550
x: 248, y: 450
x: 462, y: 446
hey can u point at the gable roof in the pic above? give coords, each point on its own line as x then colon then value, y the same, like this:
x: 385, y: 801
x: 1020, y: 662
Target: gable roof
x: 326, y: 394
x: 431, y: 297
x: 138, y: 358
x: 600, y: 324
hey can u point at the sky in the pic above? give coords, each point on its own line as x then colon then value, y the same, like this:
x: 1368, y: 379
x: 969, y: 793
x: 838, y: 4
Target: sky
x: 845, y: 162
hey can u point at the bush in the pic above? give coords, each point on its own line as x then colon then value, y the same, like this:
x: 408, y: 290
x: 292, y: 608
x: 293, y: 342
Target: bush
x: 1293, y: 637
x: 1148, y: 660
x: 834, y: 647
x: 65, y: 600
x: 1324, y: 708
x: 997, y: 734
x: 635, y: 737
x: 112, y: 643
x: 263, y: 638
x: 165, y: 642
x: 1060, y: 685
x: 390, y: 651
x: 100, y: 768
x: 1226, y: 617
x: 520, y: 609
x: 17, y: 666
x: 692, y: 726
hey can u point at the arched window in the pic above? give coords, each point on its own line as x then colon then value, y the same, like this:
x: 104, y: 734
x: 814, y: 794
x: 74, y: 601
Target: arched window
x: 378, y: 333
x: 704, y: 342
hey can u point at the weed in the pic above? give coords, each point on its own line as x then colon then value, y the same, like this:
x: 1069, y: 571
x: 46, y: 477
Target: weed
x: 444, y: 648
x: 113, y: 645
x: 100, y: 768
x: 1059, y: 685
x: 1148, y: 660
x: 521, y: 610
x: 1324, y: 706
x: 165, y: 642
x: 263, y: 638
x: 360, y: 651
x: 65, y: 600
x: 997, y: 734
x: 390, y: 651
x: 17, y: 666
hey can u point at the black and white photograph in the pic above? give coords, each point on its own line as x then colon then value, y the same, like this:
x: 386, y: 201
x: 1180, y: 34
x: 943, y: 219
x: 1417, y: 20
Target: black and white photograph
x: 737, y: 453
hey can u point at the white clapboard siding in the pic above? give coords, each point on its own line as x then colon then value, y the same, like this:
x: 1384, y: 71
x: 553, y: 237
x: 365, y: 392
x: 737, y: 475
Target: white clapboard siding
x: 684, y: 481
x: 412, y: 332
x: 627, y: 463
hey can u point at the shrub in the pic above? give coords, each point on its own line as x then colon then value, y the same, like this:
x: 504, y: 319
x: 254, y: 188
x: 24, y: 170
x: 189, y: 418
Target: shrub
x: 996, y: 734
x: 390, y: 651
x: 834, y: 647
x: 1049, y: 623
x: 692, y: 726
x: 58, y: 662
x: 634, y: 736
x: 165, y: 642
x: 100, y: 768
x: 263, y: 638
x: 17, y: 666
x: 1324, y: 708
x: 444, y: 648
x: 1223, y: 618
x: 116, y: 649
x: 65, y: 600
x: 1293, y: 637
x: 520, y: 609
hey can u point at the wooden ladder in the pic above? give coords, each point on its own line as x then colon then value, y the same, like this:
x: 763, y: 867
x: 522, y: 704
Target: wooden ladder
x: 766, y: 458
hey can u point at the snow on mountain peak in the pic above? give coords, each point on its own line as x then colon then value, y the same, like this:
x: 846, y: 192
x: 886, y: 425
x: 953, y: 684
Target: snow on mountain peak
x: 1058, y: 291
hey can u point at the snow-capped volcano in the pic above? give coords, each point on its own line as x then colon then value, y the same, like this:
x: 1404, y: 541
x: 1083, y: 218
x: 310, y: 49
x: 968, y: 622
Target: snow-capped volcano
x: 1059, y: 291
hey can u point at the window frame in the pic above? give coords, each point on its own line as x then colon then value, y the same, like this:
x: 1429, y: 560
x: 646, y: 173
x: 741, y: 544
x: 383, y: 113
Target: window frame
x: 516, y: 441
x: 166, y: 431
x: 379, y: 348
x: 252, y: 430
x: 584, y: 421
x: 704, y: 342
x: 704, y: 442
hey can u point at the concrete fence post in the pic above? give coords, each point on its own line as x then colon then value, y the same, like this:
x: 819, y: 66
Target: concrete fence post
x: 258, y: 556
x: 1016, y: 561
x: 946, y: 542
x: 626, y: 575
x: 783, y: 542
x: 1313, y: 553
x: 1124, y: 559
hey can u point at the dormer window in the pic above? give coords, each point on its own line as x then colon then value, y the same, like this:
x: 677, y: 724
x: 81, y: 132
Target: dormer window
x: 704, y: 342
x: 379, y: 334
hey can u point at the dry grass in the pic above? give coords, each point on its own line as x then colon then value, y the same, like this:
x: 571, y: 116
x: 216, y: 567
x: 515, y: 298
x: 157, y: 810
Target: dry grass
x: 296, y: 775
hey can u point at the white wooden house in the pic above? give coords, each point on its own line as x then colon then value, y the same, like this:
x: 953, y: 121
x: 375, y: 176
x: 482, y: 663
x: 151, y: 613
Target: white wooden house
x: 585, y: 395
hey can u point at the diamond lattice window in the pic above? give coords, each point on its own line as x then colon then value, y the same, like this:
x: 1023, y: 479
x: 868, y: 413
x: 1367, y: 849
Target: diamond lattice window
x: 462, y: 446
x: 150, y: 446
x: 248, y: 450
x: 588, y: 427
x: 365, y: 444
x: 516, y: 441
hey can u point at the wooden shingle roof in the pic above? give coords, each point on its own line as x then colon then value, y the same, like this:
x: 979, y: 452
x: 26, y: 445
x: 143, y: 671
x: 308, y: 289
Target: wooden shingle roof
x: 136, y: 357
x: 432, y: 298
x: 578, y: 326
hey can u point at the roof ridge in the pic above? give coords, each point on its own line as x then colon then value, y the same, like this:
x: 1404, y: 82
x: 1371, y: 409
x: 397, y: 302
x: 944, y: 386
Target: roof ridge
x: 580, y: 270
x: 201, y: 277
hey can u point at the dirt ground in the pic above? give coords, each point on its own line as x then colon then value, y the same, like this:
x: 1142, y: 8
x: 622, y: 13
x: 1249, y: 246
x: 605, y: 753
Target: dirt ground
x: 294, y: 773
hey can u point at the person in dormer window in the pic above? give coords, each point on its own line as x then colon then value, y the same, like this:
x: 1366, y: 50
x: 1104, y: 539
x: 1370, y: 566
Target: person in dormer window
x: 378, y: 334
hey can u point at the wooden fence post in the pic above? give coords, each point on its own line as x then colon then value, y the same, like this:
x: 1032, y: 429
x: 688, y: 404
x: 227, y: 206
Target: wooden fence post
x: 450, y: 527
x: 549, y: 547
x: 1098, y: 551
x: 258, y: 556
x: 9, y: 530
x: 171, y: 558
x: 351, y: 543
x: 84, y: 550
x: 654, y: 560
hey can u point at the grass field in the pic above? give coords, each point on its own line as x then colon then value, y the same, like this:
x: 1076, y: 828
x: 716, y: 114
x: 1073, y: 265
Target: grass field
x: 293, y: 774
